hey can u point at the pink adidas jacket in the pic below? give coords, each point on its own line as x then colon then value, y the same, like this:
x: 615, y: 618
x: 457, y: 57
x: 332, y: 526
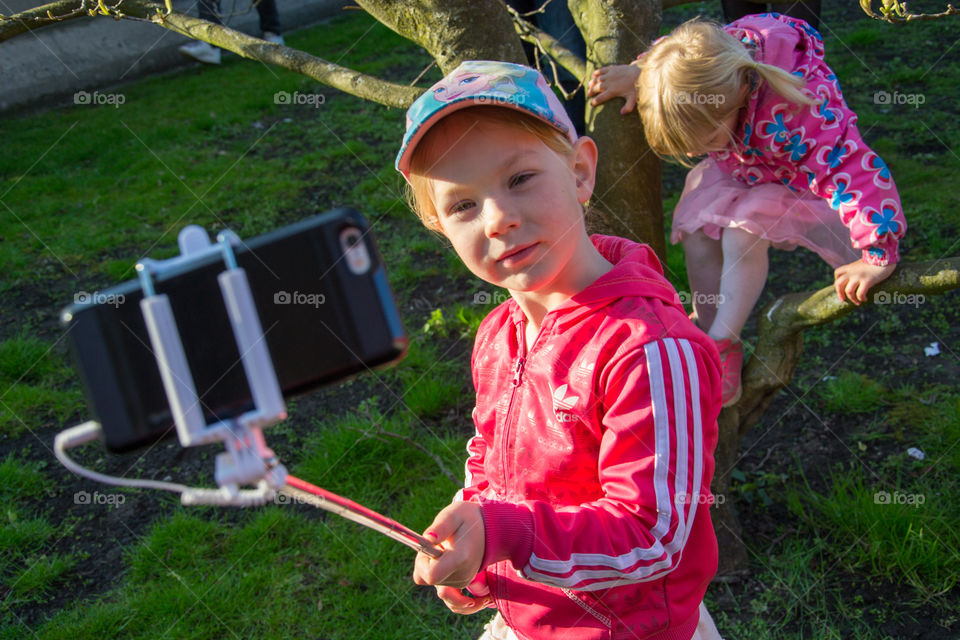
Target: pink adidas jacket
x: 593, y: 458
x: 813, y: 147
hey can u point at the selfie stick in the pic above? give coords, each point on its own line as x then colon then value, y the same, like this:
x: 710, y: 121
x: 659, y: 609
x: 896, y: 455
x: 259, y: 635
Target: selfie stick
x: 247, y: 460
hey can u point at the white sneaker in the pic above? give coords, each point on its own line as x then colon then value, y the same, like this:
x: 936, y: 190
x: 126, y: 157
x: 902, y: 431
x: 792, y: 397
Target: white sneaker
x: 202, y: 51
x: 275, y: 38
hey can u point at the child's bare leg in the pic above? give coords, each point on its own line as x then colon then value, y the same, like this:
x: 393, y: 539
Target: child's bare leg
x: 704, y: 259
x: 745, y: 266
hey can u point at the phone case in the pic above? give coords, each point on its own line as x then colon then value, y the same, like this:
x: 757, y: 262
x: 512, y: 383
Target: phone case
x: 324, y: 304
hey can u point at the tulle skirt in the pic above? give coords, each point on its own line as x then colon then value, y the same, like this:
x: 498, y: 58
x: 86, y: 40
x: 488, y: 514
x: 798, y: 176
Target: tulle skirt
x: 713, y: 200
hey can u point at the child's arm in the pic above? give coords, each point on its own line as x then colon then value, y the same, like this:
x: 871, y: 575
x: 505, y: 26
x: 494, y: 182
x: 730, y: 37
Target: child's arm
x: 615, y: 81
x: 822, y: 142
x: 655, y: 464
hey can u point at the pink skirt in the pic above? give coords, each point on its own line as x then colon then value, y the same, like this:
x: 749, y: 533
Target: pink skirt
x: 713, y: 200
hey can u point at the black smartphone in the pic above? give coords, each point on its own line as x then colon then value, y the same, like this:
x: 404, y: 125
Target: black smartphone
x: 324, y: 304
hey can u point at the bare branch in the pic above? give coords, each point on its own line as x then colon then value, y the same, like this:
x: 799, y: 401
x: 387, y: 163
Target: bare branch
x: 896, y: 12
x: 11, y: 26
x: 353, y: 82
x: 549, y: 45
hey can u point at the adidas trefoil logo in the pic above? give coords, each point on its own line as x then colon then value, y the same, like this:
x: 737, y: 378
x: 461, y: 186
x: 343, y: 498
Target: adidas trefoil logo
x: 561, y: 401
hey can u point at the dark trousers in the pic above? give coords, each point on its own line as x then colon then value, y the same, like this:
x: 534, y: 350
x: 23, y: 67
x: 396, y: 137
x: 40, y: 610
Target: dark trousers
x: 557, y: 21
x: 209, y: 10
x: 808, y: 10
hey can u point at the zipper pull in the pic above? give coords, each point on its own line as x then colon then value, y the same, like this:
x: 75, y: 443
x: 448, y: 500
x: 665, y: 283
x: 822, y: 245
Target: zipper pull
x: 518, y: 372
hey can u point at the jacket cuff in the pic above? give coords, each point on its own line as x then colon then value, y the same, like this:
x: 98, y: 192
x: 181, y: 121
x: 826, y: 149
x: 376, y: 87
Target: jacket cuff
x: 881, y: 257
x: 508, y: 533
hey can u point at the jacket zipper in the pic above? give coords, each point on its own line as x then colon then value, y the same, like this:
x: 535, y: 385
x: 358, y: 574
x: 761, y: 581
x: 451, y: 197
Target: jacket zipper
x: 517, y: 379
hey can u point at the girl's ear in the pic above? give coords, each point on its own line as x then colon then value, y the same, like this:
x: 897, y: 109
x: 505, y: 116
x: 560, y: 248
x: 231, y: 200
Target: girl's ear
x: 584, y: 165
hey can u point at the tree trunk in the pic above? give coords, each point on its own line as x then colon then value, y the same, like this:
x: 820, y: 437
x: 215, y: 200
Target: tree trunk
x: 627, y: 195
x: 452, y: 32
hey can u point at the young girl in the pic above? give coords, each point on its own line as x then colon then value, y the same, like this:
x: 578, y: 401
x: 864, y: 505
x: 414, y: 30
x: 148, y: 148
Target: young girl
x: 785, y: 164
x: 585, y: 512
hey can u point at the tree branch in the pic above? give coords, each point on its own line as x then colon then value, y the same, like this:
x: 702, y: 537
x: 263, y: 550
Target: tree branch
x: 353, y: 82
x: 11, y: 26
x: 549, y: 45
x: 896, y: 12
x: 780, y: 326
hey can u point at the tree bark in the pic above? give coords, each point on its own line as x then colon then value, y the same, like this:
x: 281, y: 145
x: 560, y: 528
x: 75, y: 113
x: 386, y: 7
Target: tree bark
x: 627, y: 196
x: 452, y: 32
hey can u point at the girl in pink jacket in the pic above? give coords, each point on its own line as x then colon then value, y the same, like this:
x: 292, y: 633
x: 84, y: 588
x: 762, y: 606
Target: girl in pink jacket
x: 785, y: 164
x: 585, y: 512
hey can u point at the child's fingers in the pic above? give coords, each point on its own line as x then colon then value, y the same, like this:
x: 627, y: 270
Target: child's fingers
x: 630, y: 105
x: 839, y: 283
x: 458, y: 602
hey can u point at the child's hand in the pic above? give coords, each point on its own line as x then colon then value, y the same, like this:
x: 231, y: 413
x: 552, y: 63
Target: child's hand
x: 853, y: 281
x: 458, y: 602
x: 458, y: 531
x: 615, y: 81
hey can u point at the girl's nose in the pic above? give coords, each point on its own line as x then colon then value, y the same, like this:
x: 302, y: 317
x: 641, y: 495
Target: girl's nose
x: 498, y: 218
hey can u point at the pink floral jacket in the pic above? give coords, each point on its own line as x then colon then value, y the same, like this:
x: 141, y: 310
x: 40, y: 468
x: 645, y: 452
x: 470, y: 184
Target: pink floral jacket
x: 813, y: 147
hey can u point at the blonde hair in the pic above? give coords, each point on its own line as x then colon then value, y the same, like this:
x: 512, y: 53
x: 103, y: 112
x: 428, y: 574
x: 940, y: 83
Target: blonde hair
x: 692, y: 80
x: 431, y: 147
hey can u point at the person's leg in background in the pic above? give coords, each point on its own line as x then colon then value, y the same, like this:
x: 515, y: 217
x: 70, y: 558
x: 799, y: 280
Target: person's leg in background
x: 208, y: 10
x: 557, y: 20
x: 736, y: 9
x: 269, y: 21
x: 808, y: 10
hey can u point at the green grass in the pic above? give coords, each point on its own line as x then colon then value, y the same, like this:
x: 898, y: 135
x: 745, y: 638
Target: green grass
x: 852, y: 392
x: 35, y: 384
x: 899, y: 521
x: 30, y: 569
x: 90, y: 190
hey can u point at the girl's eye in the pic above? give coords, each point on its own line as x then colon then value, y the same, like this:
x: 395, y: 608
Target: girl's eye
x: 460, y: 207
x: 519, y: 179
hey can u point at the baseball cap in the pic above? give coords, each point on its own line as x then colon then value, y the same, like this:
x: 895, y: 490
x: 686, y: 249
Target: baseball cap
x: 483, y: 82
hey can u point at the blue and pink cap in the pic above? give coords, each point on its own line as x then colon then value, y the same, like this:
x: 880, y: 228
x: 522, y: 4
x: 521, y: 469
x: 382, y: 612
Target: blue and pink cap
x: 483, y: 83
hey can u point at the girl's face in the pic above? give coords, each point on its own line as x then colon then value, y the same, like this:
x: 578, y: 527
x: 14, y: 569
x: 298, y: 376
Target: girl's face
x: 510, y: 205
x: 719, y: 138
